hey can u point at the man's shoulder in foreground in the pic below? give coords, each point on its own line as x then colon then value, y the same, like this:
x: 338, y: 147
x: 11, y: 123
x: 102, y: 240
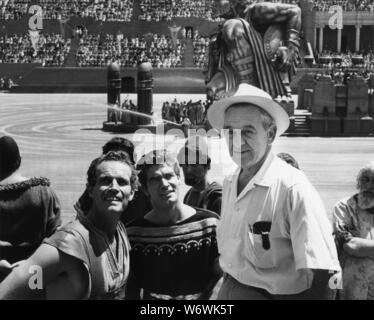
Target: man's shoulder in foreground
x: 286, y: 174
x: 69, y: 239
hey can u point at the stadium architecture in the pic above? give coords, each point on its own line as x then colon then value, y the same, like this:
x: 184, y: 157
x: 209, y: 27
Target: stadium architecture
x: 68, y: 47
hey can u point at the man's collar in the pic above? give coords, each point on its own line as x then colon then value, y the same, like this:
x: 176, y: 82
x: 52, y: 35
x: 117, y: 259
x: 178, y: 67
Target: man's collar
x: 264, y: 176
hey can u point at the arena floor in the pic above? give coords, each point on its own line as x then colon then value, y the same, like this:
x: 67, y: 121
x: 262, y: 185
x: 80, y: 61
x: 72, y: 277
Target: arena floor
x: 59, y: 134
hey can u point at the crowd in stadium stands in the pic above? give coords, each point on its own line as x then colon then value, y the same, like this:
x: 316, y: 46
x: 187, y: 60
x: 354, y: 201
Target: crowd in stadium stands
x: 102, y: 10
x: 348, y: 60
x: 341, y: 76
x: 347, y: 5
x: 188, y: 113
x: 165, y: 10
x: 159, y: 50
x: 6, y: 83
x: 201, y: 48
x: 51, y: 49
x: 13, y: 9
x: 122, y: 10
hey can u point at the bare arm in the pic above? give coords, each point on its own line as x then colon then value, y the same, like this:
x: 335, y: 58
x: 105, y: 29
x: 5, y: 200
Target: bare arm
x: 42, y: 268
x: 270, y: 13
x: 360, y: 248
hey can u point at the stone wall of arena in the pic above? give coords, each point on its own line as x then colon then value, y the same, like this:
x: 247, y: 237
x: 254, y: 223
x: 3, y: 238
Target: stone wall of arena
x: 17, y: 71
x: 94, y: 80
x: 33, y: 78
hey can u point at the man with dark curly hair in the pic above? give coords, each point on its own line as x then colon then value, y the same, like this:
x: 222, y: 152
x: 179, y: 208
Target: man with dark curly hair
x: 87, y: 258
x: 139, y: 206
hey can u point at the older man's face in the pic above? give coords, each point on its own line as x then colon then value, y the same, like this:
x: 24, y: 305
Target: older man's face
x: 366, y: 199
x: 366, y: 192
x: 249, y: 145
x: 366, y: 188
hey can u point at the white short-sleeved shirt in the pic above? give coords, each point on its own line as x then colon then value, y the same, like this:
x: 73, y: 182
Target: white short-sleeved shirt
x: 300, y: 236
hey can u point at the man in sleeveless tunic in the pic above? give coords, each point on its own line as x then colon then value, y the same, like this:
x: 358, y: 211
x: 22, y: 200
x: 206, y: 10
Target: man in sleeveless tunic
x: 238, y: 54
x: 87, y: 258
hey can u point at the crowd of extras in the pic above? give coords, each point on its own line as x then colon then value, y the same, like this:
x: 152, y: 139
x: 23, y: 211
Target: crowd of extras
x: 96, y: 50
x: 51, y: 49
x: 6, y: 83
x: 99, y: 10
x: 161, y: 51
x: 346, y: 5
x: 344, y: 69
x: 150, y: 10
x: 113, y: 10
x: 188, y: 113
x: 166, y: 10
x: 364, y: 59
x: 341, y: 76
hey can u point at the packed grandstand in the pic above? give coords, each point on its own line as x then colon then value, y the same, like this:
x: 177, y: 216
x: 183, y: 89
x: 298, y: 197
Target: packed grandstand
x: 355, y: 5
x: 130, y: 32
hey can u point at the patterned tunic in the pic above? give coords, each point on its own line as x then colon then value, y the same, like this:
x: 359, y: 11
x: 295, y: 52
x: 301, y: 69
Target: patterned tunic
x: 175, y: 262
x: 358, y: 273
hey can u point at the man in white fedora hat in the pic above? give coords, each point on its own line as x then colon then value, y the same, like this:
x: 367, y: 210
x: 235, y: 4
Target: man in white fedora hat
x: 275, y: 240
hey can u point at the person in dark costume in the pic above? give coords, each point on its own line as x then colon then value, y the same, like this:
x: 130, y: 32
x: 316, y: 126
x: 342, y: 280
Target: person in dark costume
x: 195, y: 162
x: 29, y: 208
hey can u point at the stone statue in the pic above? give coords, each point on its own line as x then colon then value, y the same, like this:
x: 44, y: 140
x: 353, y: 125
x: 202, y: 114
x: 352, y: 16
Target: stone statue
x: 249, y: 47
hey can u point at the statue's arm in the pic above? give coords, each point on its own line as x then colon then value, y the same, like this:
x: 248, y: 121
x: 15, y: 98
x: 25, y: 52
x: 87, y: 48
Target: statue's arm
x: 267, y: 13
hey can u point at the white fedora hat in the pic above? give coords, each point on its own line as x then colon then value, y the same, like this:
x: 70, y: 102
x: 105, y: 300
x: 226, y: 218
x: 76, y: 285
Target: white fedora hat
x: 247, y: 93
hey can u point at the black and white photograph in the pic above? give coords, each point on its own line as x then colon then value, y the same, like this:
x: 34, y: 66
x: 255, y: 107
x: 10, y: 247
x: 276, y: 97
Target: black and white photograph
x: 186, y: 150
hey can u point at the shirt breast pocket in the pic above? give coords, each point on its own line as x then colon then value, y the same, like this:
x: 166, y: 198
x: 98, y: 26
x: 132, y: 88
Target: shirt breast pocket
x: 258, y: 255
